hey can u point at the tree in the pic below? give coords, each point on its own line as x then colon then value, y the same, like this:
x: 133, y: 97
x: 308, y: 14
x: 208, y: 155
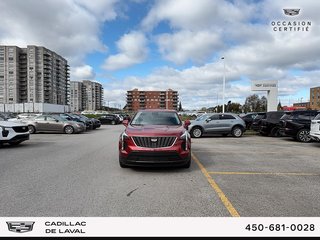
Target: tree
x: 254, y: 104
x: 180, y: 109
x: 279, y: 108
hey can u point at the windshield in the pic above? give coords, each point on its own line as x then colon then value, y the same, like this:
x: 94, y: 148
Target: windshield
x: 317, y: 117
x: 286, y: 116
x: 156, y: 118
x: 202, y: 117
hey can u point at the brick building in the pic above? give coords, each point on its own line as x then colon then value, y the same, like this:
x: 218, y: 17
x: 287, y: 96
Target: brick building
x: 152, y: 100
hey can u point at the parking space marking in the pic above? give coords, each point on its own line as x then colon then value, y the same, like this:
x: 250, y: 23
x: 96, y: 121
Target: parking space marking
x: 263, y: 173
x: 217, y: 189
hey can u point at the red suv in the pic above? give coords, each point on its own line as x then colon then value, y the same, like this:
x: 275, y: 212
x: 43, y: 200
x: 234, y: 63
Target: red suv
x: 155, y: 138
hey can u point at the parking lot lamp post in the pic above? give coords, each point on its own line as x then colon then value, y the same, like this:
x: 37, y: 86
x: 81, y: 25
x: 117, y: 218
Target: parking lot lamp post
x: 224, y: 83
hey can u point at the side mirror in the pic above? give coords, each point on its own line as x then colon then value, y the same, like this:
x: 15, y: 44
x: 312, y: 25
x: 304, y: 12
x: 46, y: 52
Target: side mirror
x: 57, y: 120
x: 187, y: 124
x: 208, y: 120
x: 125, y: 123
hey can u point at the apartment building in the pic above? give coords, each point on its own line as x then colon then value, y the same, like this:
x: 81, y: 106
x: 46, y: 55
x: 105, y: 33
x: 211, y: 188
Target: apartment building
x: 315, y: 98
x: 86, y: 95
x: 33, y: 75
x: 152, y: 99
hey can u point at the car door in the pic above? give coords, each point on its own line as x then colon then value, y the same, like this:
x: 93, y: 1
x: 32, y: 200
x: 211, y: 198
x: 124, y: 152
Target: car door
x: 53, y: 124
x: 226, y: 122
x: 211, y: 123
x: 40, y: 123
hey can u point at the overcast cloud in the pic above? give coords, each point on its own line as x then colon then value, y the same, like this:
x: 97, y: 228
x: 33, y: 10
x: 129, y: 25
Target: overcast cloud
x: 200, y: 33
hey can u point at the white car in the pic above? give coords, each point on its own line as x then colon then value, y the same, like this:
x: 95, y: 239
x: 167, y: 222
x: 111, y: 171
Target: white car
x: 13, y: 133
x: 315, y: 128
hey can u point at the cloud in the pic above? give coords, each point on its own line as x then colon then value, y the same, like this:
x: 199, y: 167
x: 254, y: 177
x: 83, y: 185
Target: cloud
x: 132, y: 50
x: 71, y: 28
x: 84, y: 72
x: 185, y: 45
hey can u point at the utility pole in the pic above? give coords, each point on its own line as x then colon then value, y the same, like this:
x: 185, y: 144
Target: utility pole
x: 224, y: 83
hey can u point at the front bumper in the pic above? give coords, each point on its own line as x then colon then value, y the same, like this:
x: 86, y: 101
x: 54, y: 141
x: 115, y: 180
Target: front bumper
x: 175, y: 155
x: 16, y: 139
x: 153, y: 159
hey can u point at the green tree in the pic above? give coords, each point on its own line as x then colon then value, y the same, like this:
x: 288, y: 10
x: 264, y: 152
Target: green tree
x: 279, y: 108
x: 180, y: 109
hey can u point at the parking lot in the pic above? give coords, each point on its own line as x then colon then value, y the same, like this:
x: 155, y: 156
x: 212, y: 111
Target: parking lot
x: 79, y: 175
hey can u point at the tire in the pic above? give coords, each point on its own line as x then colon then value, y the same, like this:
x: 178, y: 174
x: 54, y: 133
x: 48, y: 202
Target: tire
x: 196, y: 132
x: 237, y: 131
x: 113, y: 122
x: 32, y: 129
x: 275, y: 132
x: 122, y: 165
x: 188, y: 164
x: 68, y: 130
x: 303, y: 135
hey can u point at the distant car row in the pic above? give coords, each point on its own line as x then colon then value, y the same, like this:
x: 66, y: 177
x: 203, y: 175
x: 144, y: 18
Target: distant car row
x: 296, y: 124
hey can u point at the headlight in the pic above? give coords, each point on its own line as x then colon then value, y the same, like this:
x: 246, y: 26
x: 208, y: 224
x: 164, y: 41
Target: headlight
x: 185, y: 136
x: 123, y: 137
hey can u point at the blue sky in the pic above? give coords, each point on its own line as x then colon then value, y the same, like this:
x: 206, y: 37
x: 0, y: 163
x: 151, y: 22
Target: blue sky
x: 178, y: 44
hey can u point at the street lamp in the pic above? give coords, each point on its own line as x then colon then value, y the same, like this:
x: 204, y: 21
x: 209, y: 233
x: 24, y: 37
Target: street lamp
x: 224, y: 83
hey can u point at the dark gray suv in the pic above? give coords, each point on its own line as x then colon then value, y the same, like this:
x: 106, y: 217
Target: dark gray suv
x: 217, y: 123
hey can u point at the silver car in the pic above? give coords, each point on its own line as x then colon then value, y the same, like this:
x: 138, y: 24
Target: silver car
x: 217, y: 123
x: 54, y: 123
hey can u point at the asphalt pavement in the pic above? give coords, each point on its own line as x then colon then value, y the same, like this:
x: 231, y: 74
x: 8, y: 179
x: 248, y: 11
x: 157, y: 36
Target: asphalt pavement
x: 77, y: 175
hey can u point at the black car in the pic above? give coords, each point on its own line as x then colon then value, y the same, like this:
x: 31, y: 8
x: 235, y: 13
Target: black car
x: 248, y: 118
x: 270, y: 125
x: 297, y: 125
x: 257, y: 121
x: 109, y: 119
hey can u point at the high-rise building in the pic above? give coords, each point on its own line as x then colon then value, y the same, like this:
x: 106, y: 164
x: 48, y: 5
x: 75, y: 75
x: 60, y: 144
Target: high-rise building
x: 33, y: 74
x: 86, y: 95
x: 315, y: 98
x: 152, y: 99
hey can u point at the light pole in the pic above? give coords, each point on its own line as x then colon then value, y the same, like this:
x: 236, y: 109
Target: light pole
x: 224, y: 83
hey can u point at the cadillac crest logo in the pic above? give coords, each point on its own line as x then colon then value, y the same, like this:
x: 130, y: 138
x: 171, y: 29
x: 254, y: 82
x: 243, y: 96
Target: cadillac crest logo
x: 20, y: 227
x: 291, y: 12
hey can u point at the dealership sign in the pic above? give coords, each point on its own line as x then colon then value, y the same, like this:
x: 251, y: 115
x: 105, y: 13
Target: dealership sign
x: 291, y: 26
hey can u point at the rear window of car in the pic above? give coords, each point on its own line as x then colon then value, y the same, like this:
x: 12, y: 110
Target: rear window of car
x: 156, y: 118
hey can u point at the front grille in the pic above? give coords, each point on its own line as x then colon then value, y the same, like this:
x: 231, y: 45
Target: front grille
x: 21, y: 129
x: 154, y: 142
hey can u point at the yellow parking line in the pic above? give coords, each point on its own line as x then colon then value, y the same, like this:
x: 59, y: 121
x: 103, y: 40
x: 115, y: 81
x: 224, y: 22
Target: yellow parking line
x: 263, y: 173
x: 217, y: 189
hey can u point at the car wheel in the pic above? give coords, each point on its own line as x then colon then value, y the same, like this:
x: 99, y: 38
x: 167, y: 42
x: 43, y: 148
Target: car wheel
x: 188, y: 164
x: 237, y: 132
x: 196, y: 132
x: 113, y: 122
x: 275, y: 132
x: 68, y: 130
x: 304, y: 136
x: 32, y: 129
x: 122, y: 165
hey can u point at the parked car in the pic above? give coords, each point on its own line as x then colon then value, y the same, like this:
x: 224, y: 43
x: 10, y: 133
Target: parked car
x: 217, y: 123
x: 248, y: 118
x: 155, y: 138
x: 315, y: 128
x: 109, y: 119
x: 256, y: 124
x: 13, y: 133
x: 297, y: 125
x: 54, y: 123
x: 270, y: 126
x: 88, y: 122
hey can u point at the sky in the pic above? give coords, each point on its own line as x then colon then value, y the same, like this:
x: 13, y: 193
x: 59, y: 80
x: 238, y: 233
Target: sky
x: 177, y: 44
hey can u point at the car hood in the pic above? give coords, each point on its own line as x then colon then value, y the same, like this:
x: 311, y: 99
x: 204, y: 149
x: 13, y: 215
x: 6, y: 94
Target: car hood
x: 155, y: 130
x: 11, y: 124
